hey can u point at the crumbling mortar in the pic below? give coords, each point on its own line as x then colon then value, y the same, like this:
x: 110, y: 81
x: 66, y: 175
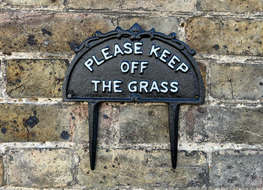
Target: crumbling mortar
x: 138, y: 11
x: 4, y: 83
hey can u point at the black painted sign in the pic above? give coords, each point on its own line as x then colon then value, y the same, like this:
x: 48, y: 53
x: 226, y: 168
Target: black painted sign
x: 134, y: 66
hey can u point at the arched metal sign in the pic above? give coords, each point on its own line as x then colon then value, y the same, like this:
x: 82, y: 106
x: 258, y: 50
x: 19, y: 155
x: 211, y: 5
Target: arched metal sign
x: 133, y: 66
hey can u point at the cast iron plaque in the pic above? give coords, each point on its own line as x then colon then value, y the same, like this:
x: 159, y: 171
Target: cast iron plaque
x: 133, y: 66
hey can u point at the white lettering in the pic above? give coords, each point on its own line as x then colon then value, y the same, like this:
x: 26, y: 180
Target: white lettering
x: 88, y: 64
x: 128, y: 48
x: 154, y: 87
x: 174, y: 87
x: 164, y: 86
x: 134, y: 66
x: 154, y: 50
x: 117, y: 50
x: 116, y: 86
x: 172, y: 61
x: 105, y: 53
x: 106, y: 86
x: 143, y: 86
x: 97, y: 62
x: 137, y: 48
x: 164, y: 55
x: 95, y: 82
x: 143, y: 66
x: 149, y: 87
x: 132, y: 88
x: 125, y: 67
x: 183, y: 67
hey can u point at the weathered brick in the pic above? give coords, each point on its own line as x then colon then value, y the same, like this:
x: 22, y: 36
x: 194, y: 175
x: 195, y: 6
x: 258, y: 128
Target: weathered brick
x: 58, y: 122
x: 30, y: 3
x: 143, y: 169
x: 223, y: 124
x: 237, y: 169
x: 131, y: 124
x: 236, y: 81
x: 165, y: 25
x: 225, y: 36
x: 119, y: 5
x: 230, y: 5
x: 108, y: 121
x: 143, y: 123
x: 108, y: 114
x: 39, y: 167
x: 35, y: 78
x: 61, y: 32
x: 203, y: 70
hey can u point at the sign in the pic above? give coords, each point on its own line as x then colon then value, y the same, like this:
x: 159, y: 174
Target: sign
x: 133, y: 66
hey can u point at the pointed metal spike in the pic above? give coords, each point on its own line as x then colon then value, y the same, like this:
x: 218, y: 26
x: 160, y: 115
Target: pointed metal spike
x: 173, y: 130
x: 93, y: 132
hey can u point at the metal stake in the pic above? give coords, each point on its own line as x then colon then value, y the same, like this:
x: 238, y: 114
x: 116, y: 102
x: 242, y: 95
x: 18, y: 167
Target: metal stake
x: 93, y: 132
x: 173, y: 130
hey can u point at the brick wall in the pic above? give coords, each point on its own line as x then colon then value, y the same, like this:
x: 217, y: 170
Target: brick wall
x: 44, y: 141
